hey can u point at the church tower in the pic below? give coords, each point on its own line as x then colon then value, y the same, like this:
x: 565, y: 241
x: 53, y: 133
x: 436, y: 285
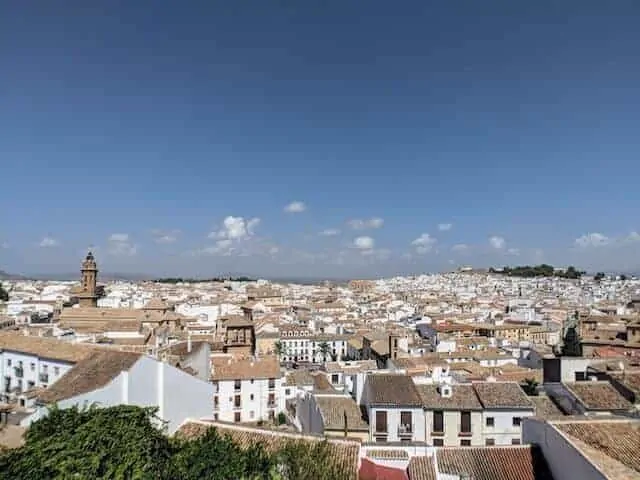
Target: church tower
x: 88, y: 296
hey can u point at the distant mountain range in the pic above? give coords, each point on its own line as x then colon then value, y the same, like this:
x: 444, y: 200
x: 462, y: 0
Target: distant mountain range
x: 10, y: 276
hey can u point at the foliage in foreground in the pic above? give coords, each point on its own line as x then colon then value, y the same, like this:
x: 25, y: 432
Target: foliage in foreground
x: 124, y: 443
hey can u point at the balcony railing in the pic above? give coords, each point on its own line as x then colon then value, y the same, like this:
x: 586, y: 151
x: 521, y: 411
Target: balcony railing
x: 405, y: 431
x: 19, y: 371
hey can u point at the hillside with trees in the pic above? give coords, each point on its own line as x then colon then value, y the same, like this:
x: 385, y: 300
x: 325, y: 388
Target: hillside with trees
x: 123, y: 443
x: 174, y: 280
x: 542, y: 270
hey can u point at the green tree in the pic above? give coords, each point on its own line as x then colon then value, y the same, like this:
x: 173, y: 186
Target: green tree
x: 4, y: 295
x: 280, y: 349
x: 216, y: 457
x: 117, y: 443
x: 599, y: 276
x: 299, y: 460
x: 325, y: 349
x: 530, y: 387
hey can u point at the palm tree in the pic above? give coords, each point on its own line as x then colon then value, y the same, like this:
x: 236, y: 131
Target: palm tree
x: 280, y: 349
x: 325, y: 348
x: 530, y: 387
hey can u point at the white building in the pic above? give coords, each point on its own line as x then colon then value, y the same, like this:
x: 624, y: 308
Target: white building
x: 301, y: 346
x: 248, y: 389
x: 108, y: 378
x: 27, y: 363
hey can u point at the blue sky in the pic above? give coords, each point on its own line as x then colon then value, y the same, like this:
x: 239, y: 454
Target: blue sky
x: 421, y: 135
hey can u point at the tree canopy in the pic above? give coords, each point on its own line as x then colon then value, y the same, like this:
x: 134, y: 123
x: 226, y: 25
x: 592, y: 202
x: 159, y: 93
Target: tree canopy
x: 542, y: 270
x: 124, y: 442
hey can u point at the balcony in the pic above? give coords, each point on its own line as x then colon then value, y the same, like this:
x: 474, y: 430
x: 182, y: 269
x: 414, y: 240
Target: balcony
x: 19, y: 371
x: 405, y: 431
x: 44, y: 378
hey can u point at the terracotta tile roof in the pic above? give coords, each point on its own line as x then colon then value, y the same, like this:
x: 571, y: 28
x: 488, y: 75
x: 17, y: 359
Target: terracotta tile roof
x: 463, y: 397
x: 299, y: 378
x: 93, y: 372
x: 392, y: 390
x: 618, y: 440
x: 333, y: 410
x: 631, y: 381
x: 598, y: 395
x: 44, y: 347
x: 345, y: 453
x: 546, y: 408
x: 502, y: 395
x: 321, y: 384
x: 351, y: 367
x: 236, y: 321
x: 226, y: 368
x: 494, y: 463
x: 422, y: 468
x: 388, y: 454
x: 371, y: 471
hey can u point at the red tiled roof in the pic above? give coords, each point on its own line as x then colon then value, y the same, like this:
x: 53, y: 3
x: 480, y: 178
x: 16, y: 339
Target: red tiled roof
x: 372, y: 471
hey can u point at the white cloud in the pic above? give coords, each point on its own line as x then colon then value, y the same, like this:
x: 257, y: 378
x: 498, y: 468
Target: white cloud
x: 363, y: 224
x: 47, y: 242
x: 513, y: 251
x: 445, y: 227
x: 460, y: 247
x: 119, y: 237
x: 165, y: 236
x: 633, y: 237
x: 295, y: 207
x: 119, y: 245
x: 424, y: 243
x: 592, y: 240
x: 364, y: 243
x: 236, y: 228
x: 330, y: 232
x: 497, y: 242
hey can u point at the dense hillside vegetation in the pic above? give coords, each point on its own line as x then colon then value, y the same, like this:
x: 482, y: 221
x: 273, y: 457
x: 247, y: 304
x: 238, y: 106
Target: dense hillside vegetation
x: 542, y: 270
x: 122, y: 443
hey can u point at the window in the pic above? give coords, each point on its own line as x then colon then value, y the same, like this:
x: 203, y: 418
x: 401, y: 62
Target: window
x: 236, y: 401
x: 272, y: 383
x: 252, y: 381
x: 517, y: 421
x: 438, y: 442
x: 32, y: 366
x: 271, y: 402
x: 381, y: 421
x: 8, y: 362
x: 236, y: 417
x: 45, y: 367
x: 465, y: 422
x: 236, y: 385
x: 438, y: 421
x: 287, y: 391
x: 251, y: 397
x: 251, y: 414
x: 405, y: 422
x: 465, y: 442
x: 490, y: 422
x: 335, y: 378
x: 56, y: 370
x: 515, y: 441
x: 215, y: 417
x: 489, y: 442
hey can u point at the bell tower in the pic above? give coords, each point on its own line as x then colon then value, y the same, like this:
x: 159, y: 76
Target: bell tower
x: 89, y: 295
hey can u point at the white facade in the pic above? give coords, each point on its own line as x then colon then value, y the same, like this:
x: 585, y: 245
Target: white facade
x: 148, y: 383
x: 248, y: 400
x: 503, y: 427
x: 396, y: 430
x: 307, y: 349
x: 22, y: 371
